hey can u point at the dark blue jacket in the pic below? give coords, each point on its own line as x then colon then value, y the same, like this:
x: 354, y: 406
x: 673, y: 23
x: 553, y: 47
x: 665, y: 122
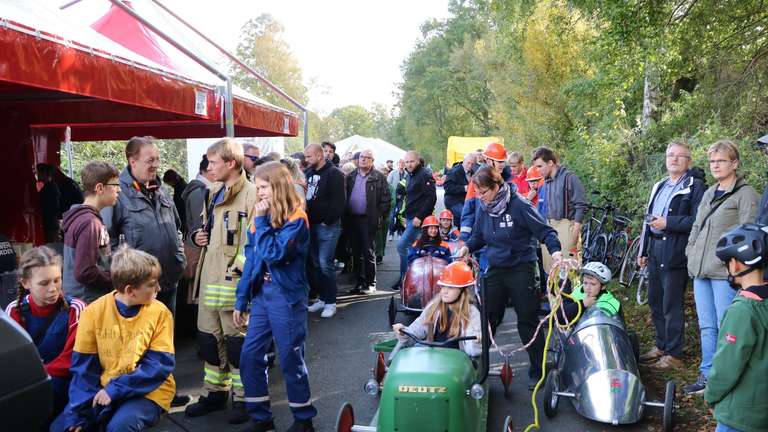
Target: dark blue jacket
x: 472, y: 202
x: 680, y: 217
x: 511, y: 238
x: 281, y: 252
x: 455, y: 186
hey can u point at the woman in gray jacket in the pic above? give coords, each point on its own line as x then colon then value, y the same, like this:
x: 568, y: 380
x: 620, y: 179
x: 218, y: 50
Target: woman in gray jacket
x: 728, y: 203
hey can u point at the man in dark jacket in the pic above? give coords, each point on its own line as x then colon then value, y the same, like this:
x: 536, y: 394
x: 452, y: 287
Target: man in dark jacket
x: 326, y: 200
x: 146, y: 216
x: 455, y: 186
x: 669, y: 217
x: 368, y: 201
x: 86, y: 241
x: 173, y: 179
x: 419, y: 203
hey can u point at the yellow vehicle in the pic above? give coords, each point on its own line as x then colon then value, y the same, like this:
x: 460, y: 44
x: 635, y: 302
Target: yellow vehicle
x: 459, y: 146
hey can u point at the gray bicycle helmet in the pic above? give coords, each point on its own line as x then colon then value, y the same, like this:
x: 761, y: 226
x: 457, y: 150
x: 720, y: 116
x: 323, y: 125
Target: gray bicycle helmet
x: 597, y: 270
x: 748, y: 243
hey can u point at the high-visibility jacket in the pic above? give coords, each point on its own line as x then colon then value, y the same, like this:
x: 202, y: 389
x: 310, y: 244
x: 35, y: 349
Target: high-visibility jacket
x: 222, y: 261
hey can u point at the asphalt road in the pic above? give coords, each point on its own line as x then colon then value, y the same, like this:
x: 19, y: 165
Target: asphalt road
x: 340, y: 360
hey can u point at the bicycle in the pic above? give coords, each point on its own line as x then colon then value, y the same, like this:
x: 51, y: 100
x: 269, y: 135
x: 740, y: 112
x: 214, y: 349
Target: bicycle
x: 631, y: 273
x: 606, y: 246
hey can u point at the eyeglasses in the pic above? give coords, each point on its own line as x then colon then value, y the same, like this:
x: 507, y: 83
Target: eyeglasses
x: 112, y: 184
x: 366, y: 157
x: 252, y: 158
x: 151, y: 162
x: 719, y: 161
x: 678, y: 156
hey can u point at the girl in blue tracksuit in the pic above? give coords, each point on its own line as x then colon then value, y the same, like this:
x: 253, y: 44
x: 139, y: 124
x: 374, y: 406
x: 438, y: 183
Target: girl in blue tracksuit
x: 430, y: 242
x: 274, y: 283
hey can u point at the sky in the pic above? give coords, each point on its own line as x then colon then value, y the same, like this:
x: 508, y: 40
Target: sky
x: 351, y: 50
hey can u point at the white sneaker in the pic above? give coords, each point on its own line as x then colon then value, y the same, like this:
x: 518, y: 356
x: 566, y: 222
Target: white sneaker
x: 316, y: 306
x: 329, y: 310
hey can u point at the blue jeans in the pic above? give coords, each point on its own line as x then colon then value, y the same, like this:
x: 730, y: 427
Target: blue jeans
x: 131, y: 415
x: 409, y: 236
x: 725, y: 428
x: 322, y: 251
x: 713, y: 296
x: 456, y: 209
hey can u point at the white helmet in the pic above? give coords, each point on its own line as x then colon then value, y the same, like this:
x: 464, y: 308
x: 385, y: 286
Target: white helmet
x: 597, y: 270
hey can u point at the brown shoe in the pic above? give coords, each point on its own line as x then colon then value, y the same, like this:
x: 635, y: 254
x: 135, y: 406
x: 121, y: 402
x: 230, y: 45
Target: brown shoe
x: 651, y: 356
x: 667, y: 362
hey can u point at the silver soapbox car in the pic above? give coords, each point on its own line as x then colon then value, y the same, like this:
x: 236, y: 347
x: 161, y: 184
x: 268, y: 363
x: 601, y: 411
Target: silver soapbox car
x: 595, y: 365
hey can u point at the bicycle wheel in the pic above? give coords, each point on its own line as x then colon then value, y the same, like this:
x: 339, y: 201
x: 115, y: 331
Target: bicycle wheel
x: 618, y: 251
x: 641, y: 292
x: 629, y: 265
x: 599, y: 249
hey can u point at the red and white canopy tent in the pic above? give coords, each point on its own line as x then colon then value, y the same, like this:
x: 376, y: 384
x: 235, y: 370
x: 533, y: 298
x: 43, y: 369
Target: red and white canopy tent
x: 56, y: 73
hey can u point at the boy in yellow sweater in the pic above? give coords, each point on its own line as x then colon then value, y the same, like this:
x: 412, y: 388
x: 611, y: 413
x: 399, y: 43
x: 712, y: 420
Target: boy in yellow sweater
x: 123, y: 356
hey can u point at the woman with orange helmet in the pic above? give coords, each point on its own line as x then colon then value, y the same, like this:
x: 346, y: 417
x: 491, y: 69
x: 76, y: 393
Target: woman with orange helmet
x: 451, y: 314
x: 447, y: 231
x: 430, y: 242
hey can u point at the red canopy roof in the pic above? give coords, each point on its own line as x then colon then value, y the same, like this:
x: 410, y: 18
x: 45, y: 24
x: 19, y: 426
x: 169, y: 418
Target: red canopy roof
x: 105, y: 92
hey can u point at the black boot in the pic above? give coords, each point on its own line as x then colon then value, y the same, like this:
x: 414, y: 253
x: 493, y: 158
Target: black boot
x: 215, y: 401
x: 262, y: 426
x: 239, y: 414
x: 302, y: 426
x: 180, y: 400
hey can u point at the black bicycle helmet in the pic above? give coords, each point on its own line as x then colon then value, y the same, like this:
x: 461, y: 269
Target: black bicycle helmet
x: 748, y: 243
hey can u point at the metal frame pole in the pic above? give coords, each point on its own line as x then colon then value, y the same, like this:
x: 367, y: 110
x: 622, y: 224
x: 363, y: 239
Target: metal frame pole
x: 228, y: 108
x: 243, y: 65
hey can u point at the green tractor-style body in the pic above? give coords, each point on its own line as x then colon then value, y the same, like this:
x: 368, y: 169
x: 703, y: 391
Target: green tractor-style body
x: 428, y: 389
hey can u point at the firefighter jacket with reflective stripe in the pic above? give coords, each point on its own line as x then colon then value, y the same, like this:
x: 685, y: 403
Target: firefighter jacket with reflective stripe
x: 222, y: 261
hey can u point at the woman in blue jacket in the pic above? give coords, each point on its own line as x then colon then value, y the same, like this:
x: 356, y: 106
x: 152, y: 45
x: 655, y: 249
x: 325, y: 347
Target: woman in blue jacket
x: 509, y: 227
x: 274, y: 283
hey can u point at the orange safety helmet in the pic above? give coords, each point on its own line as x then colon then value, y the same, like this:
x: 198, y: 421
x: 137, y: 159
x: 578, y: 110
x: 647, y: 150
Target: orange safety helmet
x: 533, y: 174
x: 496, y: 152
x: 456, y: 275
x: 430, y: 220
x: 446, y: 214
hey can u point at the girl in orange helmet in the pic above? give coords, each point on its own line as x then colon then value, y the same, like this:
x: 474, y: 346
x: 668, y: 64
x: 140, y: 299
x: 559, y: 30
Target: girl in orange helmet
x: 447, y: 231
x: 451, y: 314
x: 430, y: 242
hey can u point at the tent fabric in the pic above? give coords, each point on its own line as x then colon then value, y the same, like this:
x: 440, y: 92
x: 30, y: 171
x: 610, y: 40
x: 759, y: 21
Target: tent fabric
x: 382, y: 150
x: 59, y: 63
x: 459, y: 146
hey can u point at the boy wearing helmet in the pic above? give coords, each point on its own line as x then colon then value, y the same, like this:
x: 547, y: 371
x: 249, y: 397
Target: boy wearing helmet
x: 447, y: 231
x: 430, y: 242
x: 740, y: 363
x: 595, y: 276
x: 451, y: 314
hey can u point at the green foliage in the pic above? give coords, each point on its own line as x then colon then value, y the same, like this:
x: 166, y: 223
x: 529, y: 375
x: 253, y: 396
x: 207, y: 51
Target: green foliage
x: 574, y: 75
x: 173, y: 154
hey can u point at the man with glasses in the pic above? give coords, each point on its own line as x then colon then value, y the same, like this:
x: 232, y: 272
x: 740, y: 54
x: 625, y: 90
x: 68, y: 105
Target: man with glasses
x: 251, y: 153
x: 145, y: 216
x: 368, y: 201
x: 669, y: 217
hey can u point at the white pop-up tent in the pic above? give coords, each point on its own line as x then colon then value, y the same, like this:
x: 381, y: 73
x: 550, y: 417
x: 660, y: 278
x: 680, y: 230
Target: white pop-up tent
x: 382, y: 150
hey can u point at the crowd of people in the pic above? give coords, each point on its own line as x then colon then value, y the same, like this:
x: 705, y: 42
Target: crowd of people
x: 257, y: 243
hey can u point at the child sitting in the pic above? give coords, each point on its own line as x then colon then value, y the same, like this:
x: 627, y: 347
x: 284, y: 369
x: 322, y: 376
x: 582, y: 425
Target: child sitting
x: 451, y: 314
x: 740, y: 363
x: 595, y: 276
x: 447, y: 231
x: 48, y: 316
x: 430, y: 242
x: 123, y: 355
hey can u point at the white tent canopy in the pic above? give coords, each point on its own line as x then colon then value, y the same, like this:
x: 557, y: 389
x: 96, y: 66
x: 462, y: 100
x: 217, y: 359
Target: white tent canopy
x: 382, y: 150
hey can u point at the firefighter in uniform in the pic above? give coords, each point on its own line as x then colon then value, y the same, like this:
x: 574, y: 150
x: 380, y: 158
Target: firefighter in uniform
x: 228, y: 210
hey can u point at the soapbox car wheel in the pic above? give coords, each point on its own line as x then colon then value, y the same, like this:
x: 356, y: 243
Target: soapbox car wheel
x: 346, y: 418
x: 669, y: 406
x: 551, y: 399
x: 506, y: 377
x: 392, y: 311
x: 508, y: 424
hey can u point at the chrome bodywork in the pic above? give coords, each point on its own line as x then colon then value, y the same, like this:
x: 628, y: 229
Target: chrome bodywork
x: 598, y: 370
